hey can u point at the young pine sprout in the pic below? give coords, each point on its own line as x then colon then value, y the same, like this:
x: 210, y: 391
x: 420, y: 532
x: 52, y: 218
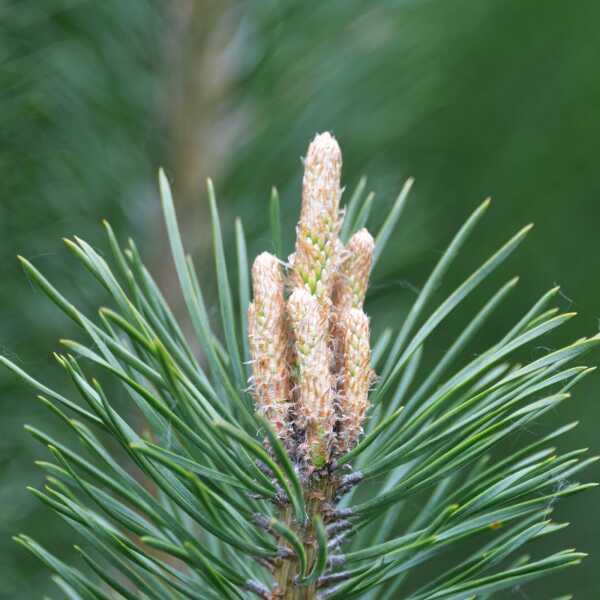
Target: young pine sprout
x: 319, y: 479
x: 328, y: 343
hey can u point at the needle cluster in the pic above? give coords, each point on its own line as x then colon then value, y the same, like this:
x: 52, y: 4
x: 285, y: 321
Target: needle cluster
x: 319, y: 480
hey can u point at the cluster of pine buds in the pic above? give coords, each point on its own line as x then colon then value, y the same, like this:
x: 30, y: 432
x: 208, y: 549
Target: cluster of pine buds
x: 308, y: 334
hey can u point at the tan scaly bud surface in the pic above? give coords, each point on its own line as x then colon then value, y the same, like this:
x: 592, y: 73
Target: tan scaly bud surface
x: 356, y: 376
x: 314, y: 262
x: 353, y: 277
x: 268, y: 340
x: 315, y: 391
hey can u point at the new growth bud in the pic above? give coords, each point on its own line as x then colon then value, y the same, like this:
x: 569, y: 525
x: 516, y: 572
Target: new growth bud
x: 356, y: 376
x: 314, y: 262
x: 315, y: 392
x: 353, y: 276
x: 267, y: 333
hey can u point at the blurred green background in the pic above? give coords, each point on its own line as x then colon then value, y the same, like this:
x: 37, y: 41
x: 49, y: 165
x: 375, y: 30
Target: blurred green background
x: 472, y: 98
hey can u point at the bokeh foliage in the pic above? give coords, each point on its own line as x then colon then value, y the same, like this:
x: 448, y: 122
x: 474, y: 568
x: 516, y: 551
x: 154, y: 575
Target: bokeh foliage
x: 494, y: 97
x: 78, y: 142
